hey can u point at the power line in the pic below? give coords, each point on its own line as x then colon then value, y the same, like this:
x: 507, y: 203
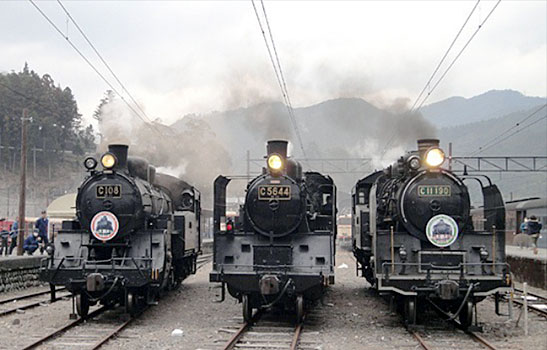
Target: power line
x: 445, y: 55
x: 480, y: 149
x: 291, y: 109
x: 104, y: 61
x: 279, y: 74
x: 92, y: 66
x: 458, y: 55
x: 512, y: 134
x: 413, y: 109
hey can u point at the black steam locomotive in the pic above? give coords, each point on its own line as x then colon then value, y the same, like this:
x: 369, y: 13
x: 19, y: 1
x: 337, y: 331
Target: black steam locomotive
x: 137, y: 233
x: 414, y: 240
x: 280, y: 250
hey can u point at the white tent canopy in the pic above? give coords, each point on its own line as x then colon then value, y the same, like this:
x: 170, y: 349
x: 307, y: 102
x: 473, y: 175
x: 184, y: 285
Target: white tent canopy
x: 63, y: 207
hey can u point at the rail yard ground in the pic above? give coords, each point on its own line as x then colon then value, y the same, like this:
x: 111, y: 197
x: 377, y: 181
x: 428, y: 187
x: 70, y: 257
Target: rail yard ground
x: 351, y: 318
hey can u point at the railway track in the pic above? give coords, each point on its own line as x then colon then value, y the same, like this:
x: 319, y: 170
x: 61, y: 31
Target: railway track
x: 94, y: 331
x: 269, y: 331
x: 27, y: 296
x: 15, y: 300
x: 262, y: 334
x: 536, y: 303
x: 97, y: 329
x: 448, y: 341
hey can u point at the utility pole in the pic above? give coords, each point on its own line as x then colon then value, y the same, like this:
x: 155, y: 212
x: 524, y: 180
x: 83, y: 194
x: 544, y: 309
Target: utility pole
x: 22, y: 183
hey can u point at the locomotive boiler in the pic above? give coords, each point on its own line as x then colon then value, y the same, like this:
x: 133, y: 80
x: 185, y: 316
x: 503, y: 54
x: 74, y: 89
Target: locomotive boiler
x: 136, y: 233
x: 414, y: 240
x: 279, y: 251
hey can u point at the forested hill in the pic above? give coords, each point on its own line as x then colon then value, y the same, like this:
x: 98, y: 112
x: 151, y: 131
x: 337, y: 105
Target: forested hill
x: 56, y: 140
x: 458, y: 110
x: 55, y: 126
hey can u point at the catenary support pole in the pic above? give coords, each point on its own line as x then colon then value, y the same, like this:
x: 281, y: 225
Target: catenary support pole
x: 22, y: 183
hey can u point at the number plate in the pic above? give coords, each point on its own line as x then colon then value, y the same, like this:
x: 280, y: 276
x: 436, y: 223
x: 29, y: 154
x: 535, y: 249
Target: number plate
x: 280, y: 192
x: 434, y: 191
x: 111, y: 191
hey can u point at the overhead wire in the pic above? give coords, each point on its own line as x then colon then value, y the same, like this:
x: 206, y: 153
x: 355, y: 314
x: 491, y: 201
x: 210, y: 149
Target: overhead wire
x: 414, y: 108
x: 514, y: 133
x: 103, y: 61
x: 458, y: 55
x: 279, y: 74
x: 445, y: 55
x: 150, y: 125
x: 517, y: 124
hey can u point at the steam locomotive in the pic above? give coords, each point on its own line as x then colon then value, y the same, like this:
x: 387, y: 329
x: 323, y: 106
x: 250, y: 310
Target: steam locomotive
x: 280, y: 250
x: 137, y: 233
x: 414, y: 240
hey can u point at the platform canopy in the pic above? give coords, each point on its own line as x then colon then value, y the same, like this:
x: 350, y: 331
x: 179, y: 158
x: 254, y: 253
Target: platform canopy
x: 63, y: 207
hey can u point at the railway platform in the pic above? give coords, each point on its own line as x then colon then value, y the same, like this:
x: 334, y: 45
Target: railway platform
x: 527, y: 266
x: 19, y: 272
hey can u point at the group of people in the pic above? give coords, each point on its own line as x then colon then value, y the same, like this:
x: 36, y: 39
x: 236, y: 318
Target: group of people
x: 532, y: 227
x: 37, y: 240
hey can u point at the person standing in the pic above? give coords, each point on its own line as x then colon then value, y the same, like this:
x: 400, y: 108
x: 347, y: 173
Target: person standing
x: 42, y: 225
x: 4, y: 235
x: 13, y: 235
x: 533, y: 227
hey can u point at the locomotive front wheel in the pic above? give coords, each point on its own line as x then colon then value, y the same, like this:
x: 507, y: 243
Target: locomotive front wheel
x: 299, y: 309
x: 247, y: 309
x: 410, y: 310
x: 82, y: 305
x: 466, y: 314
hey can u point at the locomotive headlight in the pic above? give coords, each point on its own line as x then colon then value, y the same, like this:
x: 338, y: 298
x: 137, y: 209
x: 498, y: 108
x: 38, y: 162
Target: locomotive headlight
x: 275, y: 162
x: 414, y: 163
x: 108, y: 160
x: 434, y: 157
x: 90, y: 163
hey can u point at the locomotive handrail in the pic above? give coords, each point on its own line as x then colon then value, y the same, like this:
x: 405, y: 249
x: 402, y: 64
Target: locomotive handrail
x: 83, y: 262
x: 324, y: 267
x: 429, y: 268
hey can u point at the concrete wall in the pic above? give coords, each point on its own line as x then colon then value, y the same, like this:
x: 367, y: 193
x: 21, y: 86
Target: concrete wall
x: 533, y: 271
x: 19, y: 272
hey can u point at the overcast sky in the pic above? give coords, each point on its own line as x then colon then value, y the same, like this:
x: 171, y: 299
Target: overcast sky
x: 195, y: 57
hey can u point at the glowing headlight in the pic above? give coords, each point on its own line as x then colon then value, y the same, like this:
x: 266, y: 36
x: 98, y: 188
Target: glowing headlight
x: 275, y: 162
x: 434, y: 157
x: 90, y: 163
x: 108, y: 160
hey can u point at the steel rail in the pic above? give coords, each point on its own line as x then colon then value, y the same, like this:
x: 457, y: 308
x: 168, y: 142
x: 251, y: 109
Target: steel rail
x: 420, y: 340
x: 230, y: 344
x: 29, y: 306
x: 113, y: 333
x: 27, y: 296
x: 542, y: 312
x: 480, y: 339
x: 64, y: 328
x: 296, y: 337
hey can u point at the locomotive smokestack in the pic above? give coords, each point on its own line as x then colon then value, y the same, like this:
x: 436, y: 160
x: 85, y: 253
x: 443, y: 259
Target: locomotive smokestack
x: 278, y: 147
x: 425, y: 144
x: 120, y: 151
